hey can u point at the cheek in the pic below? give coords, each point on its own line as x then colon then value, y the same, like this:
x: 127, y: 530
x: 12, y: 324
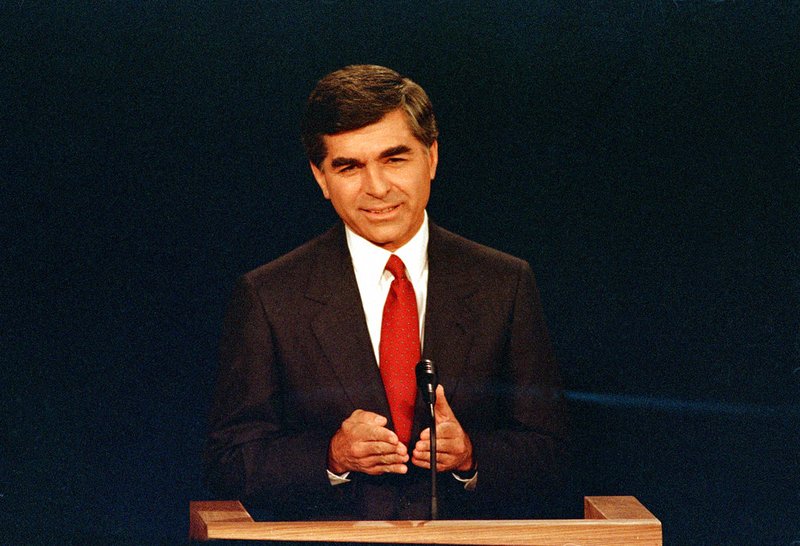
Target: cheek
x: 343, y: 197
x: 422, y: 190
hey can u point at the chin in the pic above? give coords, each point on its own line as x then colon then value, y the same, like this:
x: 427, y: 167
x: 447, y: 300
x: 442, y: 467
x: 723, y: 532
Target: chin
x: 380, y: 237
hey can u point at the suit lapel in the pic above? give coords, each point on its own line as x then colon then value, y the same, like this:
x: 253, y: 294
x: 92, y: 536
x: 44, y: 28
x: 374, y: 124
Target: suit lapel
x: 340, y: 327
x: 449, y: 324
x: 341, y: 330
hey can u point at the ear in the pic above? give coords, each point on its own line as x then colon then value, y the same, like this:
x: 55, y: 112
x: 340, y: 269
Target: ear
x: 322, y: 182
x: 433, y: 158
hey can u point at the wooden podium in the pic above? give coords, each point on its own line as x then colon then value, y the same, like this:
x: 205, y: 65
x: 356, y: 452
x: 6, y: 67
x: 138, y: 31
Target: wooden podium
x: 607, y: 521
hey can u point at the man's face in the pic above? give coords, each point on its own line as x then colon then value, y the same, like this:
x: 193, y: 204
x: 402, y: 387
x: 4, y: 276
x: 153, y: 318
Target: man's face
x: 378, y: 179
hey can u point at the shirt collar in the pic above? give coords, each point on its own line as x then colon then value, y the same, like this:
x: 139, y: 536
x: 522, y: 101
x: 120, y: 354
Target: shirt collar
x: 369, y: 260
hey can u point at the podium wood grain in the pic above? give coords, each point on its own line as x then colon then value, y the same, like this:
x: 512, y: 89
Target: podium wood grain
x: 608, y: 521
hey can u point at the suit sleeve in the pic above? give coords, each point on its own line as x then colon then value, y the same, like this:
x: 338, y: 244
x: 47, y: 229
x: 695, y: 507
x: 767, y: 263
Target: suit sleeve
x: 521, y: 454
x: 251, y: 452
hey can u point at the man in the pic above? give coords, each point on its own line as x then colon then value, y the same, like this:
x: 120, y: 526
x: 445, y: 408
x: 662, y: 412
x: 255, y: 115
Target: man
x: 313, y: 416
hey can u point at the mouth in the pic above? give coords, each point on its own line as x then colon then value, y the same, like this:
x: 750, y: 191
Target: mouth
x: 380, y: 211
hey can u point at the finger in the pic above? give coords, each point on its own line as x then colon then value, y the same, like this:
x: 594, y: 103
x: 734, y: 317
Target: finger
x: 382, y: 435
x: 442, y: 407
x: 385, y: 458
x: 384, y: 464
x: 443, y: 463
x: 367, y: 418
x: 368, y: 432
x: 422, y: 457
x: 388, y: 469
x: 380, y: 449
x: 421, y: 460
x: 376, y: 470
x: 422, y: 450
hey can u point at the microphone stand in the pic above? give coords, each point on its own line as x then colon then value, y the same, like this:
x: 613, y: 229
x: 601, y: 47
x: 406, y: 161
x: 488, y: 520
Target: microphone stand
x: 434, y: 498
x: 427, y: 382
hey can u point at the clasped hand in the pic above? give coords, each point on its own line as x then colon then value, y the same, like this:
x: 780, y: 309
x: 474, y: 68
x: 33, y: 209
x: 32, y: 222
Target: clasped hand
x: 364, y: 444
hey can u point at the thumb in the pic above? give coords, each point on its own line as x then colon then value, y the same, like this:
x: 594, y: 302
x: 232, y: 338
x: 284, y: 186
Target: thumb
x: 442, y: 407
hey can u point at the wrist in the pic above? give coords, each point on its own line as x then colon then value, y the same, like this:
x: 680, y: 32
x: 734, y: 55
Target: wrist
x: 334, y: 465
x: 469, y: 466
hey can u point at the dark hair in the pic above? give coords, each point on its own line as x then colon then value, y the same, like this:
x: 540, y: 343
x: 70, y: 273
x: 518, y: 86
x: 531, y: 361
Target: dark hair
x: 360, y: 95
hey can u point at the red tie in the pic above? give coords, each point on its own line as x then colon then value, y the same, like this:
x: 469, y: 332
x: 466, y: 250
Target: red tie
x: 399, y: 349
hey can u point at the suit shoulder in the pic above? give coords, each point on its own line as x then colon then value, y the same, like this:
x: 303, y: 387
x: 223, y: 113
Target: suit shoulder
x: 476, y: 254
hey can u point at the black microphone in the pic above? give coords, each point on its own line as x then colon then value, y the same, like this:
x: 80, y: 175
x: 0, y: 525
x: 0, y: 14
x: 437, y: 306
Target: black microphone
x: 427, y: 383
x: 427, y: 380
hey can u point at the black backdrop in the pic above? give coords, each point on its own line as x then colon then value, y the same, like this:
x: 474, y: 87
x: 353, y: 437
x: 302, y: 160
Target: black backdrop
x: 643, y: 156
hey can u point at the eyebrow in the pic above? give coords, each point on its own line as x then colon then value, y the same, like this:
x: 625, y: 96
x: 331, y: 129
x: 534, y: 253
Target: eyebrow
x: 337, y: 162
x: 344, y: 161
x: 395, y: 150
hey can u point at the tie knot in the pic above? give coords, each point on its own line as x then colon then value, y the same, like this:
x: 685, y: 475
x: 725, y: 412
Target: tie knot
x: 396, y: 267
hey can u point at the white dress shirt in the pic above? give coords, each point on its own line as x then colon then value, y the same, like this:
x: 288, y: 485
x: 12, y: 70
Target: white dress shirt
x: 369, y: 264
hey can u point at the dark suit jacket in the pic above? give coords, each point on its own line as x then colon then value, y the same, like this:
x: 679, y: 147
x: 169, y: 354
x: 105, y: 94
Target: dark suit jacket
x: 296, y: 360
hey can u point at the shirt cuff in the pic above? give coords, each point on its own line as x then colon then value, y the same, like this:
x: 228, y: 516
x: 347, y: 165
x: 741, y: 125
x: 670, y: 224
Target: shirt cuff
x: 470, y: 483
x: 338, y: 479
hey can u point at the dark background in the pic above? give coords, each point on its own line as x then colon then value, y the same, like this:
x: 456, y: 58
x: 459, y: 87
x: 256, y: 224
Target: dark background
x: 643, y: 156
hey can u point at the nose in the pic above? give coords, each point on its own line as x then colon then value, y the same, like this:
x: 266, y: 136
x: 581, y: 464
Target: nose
x: 375, y: 183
